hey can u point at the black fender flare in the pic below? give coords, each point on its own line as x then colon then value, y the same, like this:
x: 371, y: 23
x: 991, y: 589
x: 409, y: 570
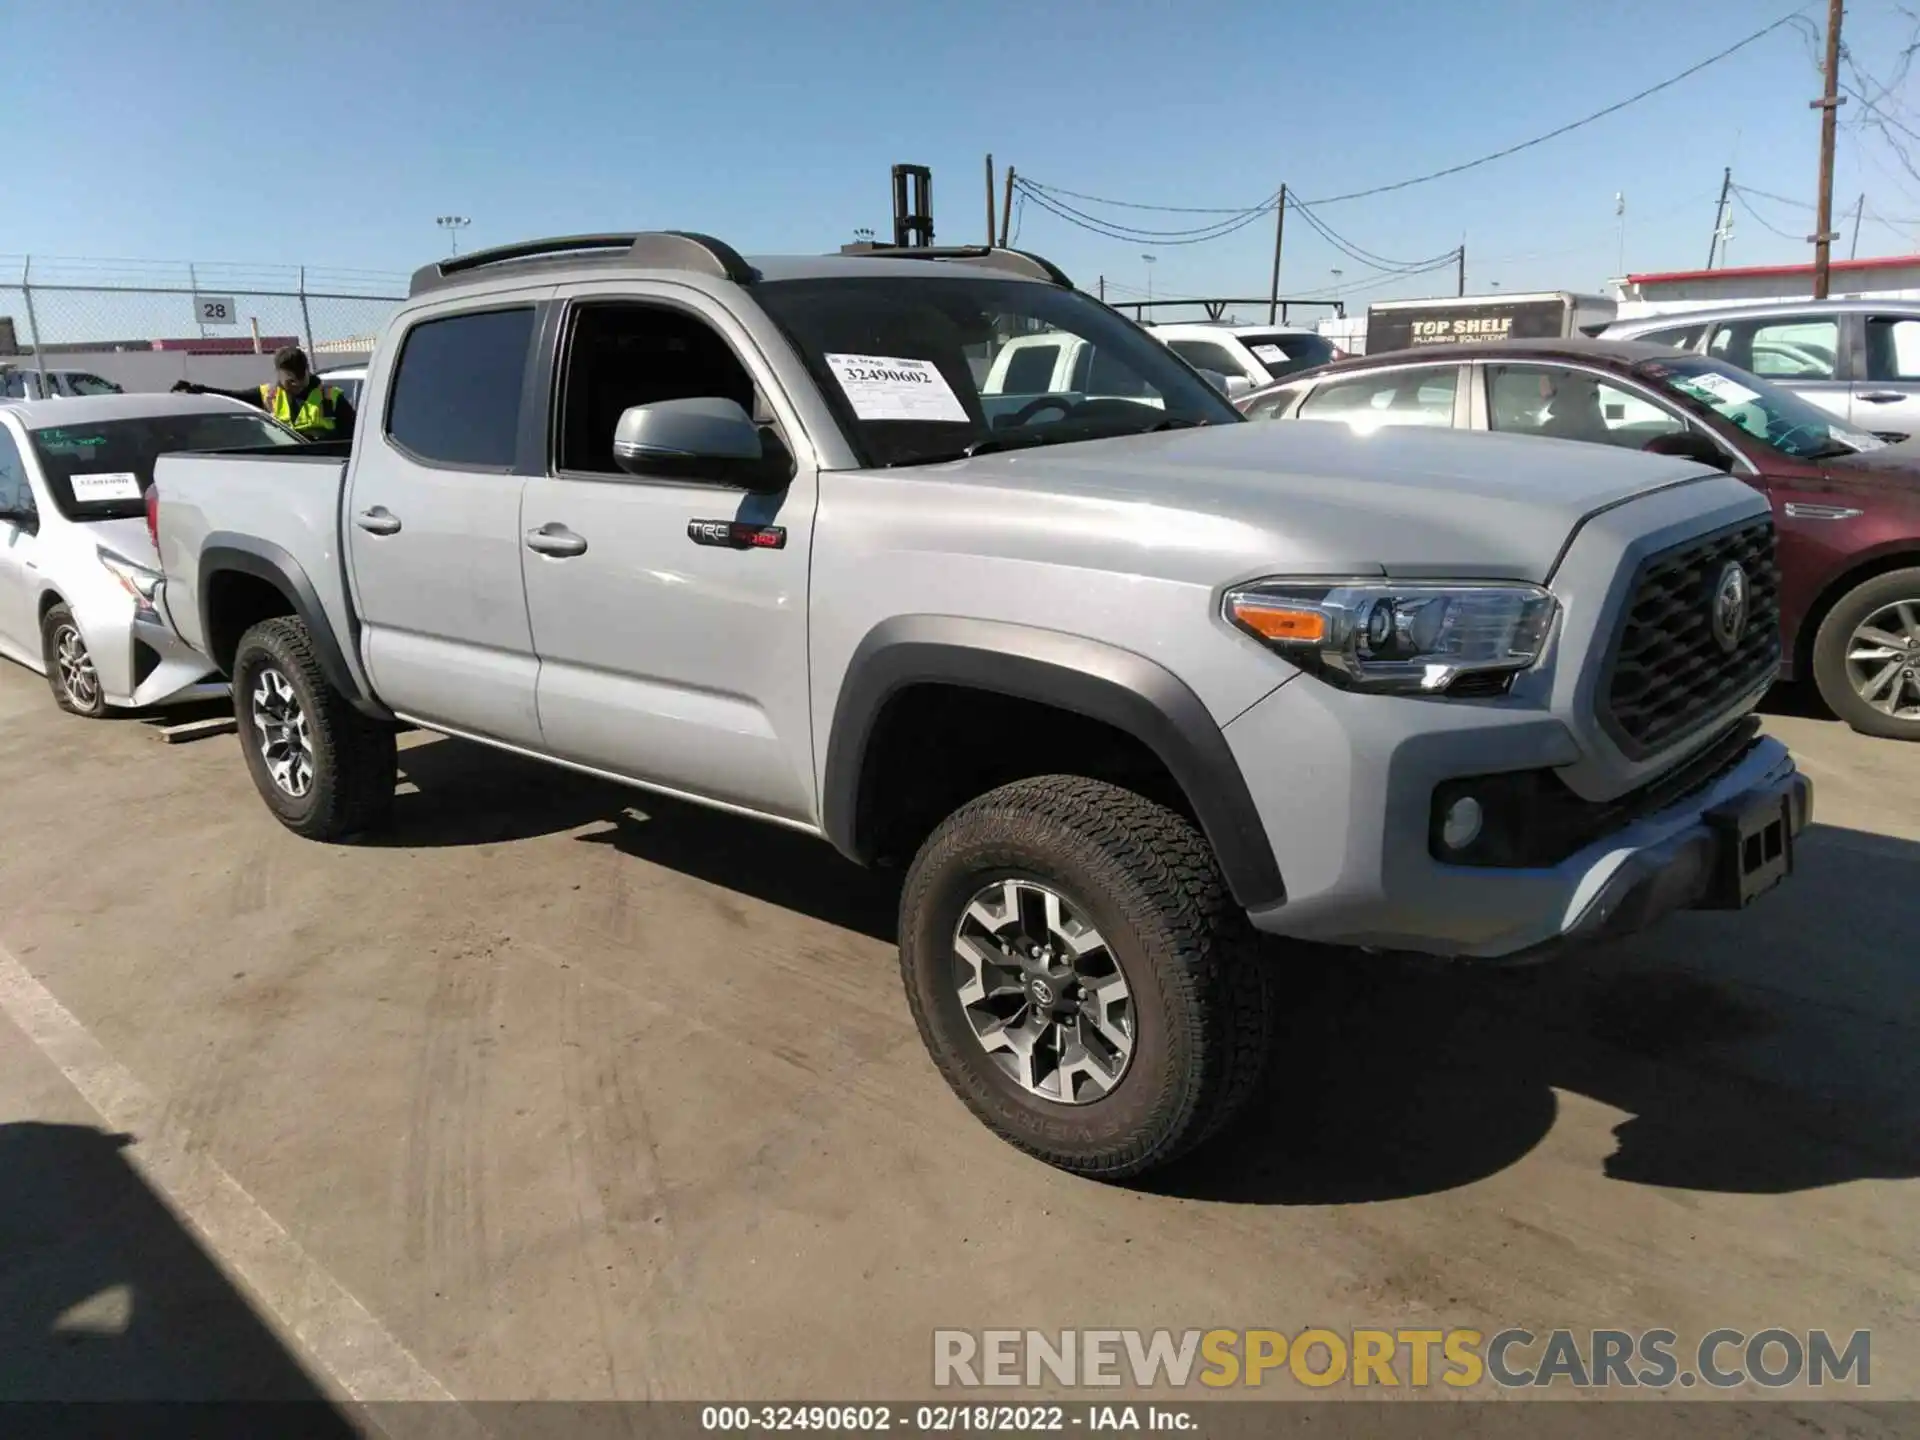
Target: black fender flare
x: 225, y: 552
x: 1103, y: 682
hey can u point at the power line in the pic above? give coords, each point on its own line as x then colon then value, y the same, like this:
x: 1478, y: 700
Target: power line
x: 1747, y: 205
x: 1131, y: 236
x: 1365, y: 257
x: 1634, y: 99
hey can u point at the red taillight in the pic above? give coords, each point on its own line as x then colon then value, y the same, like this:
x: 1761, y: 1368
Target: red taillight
x: 153, y: 514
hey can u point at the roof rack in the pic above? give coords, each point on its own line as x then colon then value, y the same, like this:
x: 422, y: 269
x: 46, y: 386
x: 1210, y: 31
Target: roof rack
x: 657, y: 249
x: 995, y: 257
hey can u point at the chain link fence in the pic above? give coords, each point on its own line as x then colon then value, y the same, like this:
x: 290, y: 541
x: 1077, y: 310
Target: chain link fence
x: 143, y: 325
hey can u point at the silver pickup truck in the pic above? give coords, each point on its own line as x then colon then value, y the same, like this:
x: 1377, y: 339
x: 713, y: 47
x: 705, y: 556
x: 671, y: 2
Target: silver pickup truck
x: 1121, y: 682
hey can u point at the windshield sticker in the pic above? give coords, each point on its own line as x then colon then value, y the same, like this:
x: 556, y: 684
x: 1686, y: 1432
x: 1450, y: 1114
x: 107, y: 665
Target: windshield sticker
x: 1271, y: 354
x: 108, y: 485
x: 887, y: 387
x: 1716, y: 389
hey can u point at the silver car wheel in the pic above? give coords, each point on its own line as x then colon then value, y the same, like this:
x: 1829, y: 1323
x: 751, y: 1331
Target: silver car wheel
x: 1043, y: 992
x: 1883, y: 660
x: 75, y: 665
x: 280, y: 725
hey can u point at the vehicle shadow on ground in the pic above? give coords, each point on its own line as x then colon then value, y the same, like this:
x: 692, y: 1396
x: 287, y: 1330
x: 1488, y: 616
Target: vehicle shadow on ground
x: 105, y: 1296
x: 455, y: 793
x: 1798, y: 699
x: 1761, y: 1053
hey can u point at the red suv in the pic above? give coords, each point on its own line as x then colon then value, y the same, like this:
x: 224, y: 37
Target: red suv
x: 1846, y: 507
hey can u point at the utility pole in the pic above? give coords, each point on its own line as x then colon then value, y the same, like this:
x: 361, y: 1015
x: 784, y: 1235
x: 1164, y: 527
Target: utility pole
x: 1462, y: 287
x: 1829, y: 107
x: 453, y: 225
x: 989, y: 199
x: 1103, y: 289
x: 1719, y: 214
x: 1006, y: 208
x: 1149, y: 259
x: 1620, y: 214
x: 1279, y: 234
x: 1859, y: 208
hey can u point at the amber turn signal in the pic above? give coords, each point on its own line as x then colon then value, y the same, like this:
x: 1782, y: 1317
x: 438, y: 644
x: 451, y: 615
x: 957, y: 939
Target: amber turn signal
x: 1277, y: 621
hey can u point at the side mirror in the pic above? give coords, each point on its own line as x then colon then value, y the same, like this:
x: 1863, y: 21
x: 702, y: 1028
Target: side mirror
x: 1237, y: 385
x: 706, y: 438
x: 1691, y: 445
x: 28, y: 520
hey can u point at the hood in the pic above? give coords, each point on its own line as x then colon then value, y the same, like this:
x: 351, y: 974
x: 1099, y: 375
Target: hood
x: 1318, y: 498
x: 127, y: 538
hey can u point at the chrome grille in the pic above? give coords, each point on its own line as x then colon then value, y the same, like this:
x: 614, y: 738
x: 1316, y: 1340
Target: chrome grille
x: 1668, y: 674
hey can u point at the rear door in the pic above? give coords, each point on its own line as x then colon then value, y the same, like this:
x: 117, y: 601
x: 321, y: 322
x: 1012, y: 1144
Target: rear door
x: 667, y: 655
x: 433, y: 519
x: 1886, y: 398
x: 1806, y: 353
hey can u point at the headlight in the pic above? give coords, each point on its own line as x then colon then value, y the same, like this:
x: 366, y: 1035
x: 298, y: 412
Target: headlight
x: 1414, y: 638
x: 136, y: 579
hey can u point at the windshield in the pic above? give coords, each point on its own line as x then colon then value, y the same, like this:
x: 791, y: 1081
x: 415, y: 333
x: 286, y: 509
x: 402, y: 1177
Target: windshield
x: 102, y: 471
x: 921, y: 369
x: 1777, y: 417
x: 79, y: 382
x: 1288, y: 354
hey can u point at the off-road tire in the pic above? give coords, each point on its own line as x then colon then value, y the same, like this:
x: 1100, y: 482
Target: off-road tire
x: 1830, y: 645
x: 57, y: 619
x: 1204, y: 998
x: 353, y: 756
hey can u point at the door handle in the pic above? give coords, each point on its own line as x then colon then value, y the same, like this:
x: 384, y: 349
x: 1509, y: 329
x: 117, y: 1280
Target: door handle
x: 378, y: 521
x: 1881, y: 397
x: 557, y: 540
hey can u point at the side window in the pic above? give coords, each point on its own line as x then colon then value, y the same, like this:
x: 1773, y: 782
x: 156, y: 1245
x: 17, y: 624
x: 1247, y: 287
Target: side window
x: 1893, y: 349
x: 622, y: 354
x: 456, y: 390
x: 1206, y: 355
x: 1800, y: 348
x: 1398, y: 397
x: 16, y: 490
x: 1030, y: 370
x: 1566, y: 404
x: 1680, y: 337
x: 16, y: 386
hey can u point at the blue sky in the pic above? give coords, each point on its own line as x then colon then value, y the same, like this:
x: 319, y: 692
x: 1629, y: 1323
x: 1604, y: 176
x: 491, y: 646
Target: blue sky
x: 333, y: 134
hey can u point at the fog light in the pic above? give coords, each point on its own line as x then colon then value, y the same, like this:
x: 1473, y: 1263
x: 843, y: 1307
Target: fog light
x: 1460, y: 827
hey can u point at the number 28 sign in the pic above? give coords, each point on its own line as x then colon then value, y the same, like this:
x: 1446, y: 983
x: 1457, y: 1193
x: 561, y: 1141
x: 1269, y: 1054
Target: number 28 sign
x: 214, y: 309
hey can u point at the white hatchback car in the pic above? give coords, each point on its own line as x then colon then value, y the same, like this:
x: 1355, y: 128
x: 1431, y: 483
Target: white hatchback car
x: 78, y: 568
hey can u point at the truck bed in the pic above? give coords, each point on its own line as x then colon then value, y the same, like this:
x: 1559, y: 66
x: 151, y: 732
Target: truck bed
x: 281, y: 507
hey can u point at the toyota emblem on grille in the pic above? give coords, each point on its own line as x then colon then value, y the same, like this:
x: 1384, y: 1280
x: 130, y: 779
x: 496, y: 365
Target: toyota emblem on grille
x: 1727, y: 611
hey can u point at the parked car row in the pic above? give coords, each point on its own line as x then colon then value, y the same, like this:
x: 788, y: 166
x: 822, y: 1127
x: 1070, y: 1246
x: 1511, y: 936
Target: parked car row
x: 1846, y: 506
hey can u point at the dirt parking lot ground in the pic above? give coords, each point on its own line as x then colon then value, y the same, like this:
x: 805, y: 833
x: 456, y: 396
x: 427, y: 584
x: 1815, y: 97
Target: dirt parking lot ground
x: 563, y: 1091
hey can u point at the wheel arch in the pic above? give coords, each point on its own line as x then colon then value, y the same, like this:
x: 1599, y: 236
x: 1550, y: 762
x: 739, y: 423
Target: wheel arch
x: 244, y: 580
x: 1118, y: 689
x: 1903, y: 555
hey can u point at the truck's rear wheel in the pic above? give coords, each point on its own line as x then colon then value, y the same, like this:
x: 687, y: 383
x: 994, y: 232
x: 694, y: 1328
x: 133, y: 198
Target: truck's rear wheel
x: 1081, y: 976
x: 324, y: 769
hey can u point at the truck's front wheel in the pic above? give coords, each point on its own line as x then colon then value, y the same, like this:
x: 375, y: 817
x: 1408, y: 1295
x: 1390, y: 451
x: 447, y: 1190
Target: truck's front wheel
x: 1081, y: 976
x: 324, y: 769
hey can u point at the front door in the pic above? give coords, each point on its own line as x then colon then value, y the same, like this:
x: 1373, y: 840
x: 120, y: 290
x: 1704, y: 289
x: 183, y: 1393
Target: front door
x: 666, y: 657
x: 1806, y: 354
x: 1886, y: 400
x: 19, y: 590
x: 433, y: 525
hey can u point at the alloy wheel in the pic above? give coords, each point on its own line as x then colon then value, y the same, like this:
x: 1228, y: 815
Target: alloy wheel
x: 280, y: 726
x: 1043, y: 992
x: 1883, y: 660
x: 77, y: 676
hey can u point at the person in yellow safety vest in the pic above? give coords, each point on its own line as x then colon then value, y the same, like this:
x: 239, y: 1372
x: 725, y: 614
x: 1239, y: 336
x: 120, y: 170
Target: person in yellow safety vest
x: 298, y: 399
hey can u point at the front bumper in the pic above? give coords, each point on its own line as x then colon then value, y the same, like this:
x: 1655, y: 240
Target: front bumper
x: 141, y: 662
x: 1345, y: 783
